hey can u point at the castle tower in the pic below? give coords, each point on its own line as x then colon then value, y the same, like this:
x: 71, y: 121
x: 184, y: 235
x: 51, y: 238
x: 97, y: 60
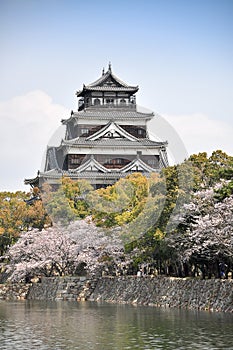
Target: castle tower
x: 105, y: 139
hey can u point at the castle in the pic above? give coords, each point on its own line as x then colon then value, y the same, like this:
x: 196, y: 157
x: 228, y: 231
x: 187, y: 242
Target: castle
x: 105, y: 139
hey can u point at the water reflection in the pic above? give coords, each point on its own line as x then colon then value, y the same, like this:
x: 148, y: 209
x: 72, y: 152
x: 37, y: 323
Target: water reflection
x: 66, y: 325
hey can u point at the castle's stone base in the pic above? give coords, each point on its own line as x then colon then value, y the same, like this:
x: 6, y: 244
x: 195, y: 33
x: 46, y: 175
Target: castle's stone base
x: 211, y: 295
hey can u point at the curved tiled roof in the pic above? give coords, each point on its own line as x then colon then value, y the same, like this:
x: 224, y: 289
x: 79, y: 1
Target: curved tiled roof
x: 90, y: 163
x: 55, y: 174
x: 139, y: 164
x: 34, y: 181
x: 111, y: 114
x: 98, y: 85
x: 81, y: 141
x: 111, y: 88
x: 106, y: 76
x: 116, y: 128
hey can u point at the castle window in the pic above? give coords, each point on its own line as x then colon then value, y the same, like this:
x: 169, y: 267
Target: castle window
x: 116, y: 163
x: 141, y: 132
x: 75, y: 159
x: 84, y: 131
x: 152, y: 162
x: 96, y: 101
x: 110, y: 101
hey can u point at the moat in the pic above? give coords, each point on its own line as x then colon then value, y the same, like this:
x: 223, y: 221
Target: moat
x: 49, y: 325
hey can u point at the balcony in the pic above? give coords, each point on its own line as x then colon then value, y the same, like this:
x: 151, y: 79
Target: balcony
x: 108, y: 106
x: 122, y: 106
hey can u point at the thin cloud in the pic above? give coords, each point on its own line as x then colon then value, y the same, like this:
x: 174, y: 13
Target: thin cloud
x: 200, y: 133
x: 27, y: 123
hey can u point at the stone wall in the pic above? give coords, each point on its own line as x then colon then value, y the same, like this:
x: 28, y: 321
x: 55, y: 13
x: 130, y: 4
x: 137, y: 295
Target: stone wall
x: 64, y: 288
x: 54, y: 288
x: 212, y: 295
x: 14, y: 291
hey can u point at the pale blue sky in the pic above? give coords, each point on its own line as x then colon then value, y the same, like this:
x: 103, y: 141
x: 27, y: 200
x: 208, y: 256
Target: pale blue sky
x: 180, y: 53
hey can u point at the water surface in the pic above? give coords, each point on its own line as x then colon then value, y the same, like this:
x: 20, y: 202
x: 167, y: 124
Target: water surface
x: 30, y: 325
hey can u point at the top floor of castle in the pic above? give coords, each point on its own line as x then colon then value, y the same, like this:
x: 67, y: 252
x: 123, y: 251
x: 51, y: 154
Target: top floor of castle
x: 107, y: 92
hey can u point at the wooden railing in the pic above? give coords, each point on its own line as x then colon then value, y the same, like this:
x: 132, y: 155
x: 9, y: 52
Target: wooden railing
x: 130, y: 106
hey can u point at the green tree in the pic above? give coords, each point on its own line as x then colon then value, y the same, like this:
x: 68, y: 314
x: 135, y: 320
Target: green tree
x: 75, y: 192
x: 120, y: 203
x: 17, y: 216
x: 57, y: 205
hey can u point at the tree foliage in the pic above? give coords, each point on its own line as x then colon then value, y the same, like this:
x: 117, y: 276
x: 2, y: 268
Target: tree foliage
x: 179, y: 220
x: 17, y: 216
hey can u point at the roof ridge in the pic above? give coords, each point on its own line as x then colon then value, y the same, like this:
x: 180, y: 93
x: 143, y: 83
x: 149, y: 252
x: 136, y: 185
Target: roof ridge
x: 105, y: 76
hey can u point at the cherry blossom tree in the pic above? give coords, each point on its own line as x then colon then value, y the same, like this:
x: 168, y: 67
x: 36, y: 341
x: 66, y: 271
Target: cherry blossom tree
x: 204, y: 236
x: 61, y: 250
